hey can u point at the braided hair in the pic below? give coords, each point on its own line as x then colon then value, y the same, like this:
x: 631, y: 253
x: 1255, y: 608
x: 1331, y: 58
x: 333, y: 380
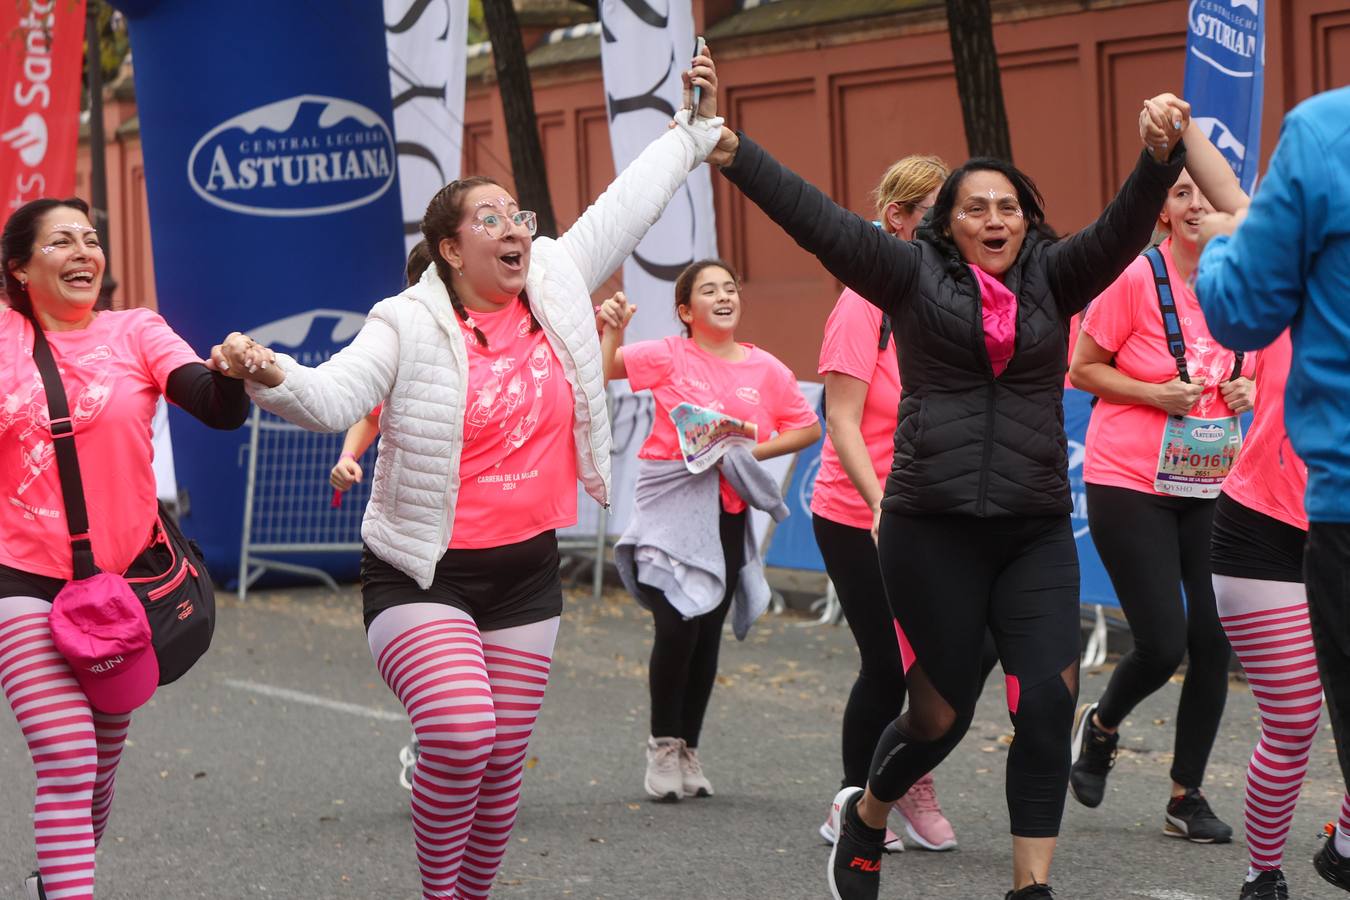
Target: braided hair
x: 444, y: 215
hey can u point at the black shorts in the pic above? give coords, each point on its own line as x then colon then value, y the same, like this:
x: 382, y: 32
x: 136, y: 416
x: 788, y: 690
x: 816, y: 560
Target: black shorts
x: 1249, y: 544
x: 500, y: 587
x: 18, y: 583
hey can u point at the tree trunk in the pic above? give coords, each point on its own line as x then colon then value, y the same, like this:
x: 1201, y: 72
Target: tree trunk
x: 522, y: 130
x: 971, y: 26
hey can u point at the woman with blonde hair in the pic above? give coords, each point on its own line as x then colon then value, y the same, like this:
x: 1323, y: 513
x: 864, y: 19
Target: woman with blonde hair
x: 862, y: 390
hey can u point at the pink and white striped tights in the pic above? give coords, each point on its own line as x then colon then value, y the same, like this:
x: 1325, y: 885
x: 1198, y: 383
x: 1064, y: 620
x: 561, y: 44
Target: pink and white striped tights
x: 75, y: 750
x: 1267, y: 624
x: 473, y: 699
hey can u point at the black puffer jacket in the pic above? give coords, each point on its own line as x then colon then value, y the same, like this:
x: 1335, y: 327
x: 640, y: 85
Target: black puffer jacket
x: 969, y: 443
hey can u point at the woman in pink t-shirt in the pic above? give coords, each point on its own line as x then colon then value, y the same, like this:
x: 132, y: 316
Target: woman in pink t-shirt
x: 1154, y: 462
x: 114, y: 367
x: 862, y: 400
x: 489, y: 372
x: 708, y: 368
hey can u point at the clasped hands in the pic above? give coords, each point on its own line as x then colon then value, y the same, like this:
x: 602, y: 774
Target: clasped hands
x: 239, y: 356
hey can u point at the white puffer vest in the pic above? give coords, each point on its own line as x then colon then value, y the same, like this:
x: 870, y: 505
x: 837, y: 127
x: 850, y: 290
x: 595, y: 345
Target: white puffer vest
x: 410, y: 355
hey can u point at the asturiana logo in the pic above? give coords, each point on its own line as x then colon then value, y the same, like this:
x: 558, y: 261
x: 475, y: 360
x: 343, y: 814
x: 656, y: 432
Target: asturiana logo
x: 303, y: 156
x: 1208, y: 433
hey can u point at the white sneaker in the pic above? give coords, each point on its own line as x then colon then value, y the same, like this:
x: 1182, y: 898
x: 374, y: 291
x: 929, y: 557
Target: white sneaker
x: 664, y: 781
x: 32, y: 886
x: 830, y: 830
x: 407, y: 757
x: 696, y: 784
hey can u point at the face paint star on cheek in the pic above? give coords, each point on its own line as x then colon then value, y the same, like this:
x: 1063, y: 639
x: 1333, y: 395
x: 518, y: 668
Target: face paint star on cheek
x: 960, y: 215
x: 48, y: 249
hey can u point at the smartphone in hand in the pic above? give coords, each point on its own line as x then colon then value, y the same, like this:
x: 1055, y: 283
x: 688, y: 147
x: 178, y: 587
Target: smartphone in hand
x: 696, y: 93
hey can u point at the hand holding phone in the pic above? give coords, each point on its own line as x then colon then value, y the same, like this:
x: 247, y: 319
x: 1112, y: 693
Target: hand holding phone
x: 696, y: 93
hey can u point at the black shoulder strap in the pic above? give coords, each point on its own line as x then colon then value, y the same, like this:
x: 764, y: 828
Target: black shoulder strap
x: 67, y: 462
x: 886, y: 328
x: 1176, y: 343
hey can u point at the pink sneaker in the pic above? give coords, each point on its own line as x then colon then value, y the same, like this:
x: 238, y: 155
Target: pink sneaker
x: 830, y: 831
x: 924, y: 822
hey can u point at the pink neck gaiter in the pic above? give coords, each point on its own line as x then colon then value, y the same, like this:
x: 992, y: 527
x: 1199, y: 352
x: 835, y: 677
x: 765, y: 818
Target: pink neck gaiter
x: 998, y: 309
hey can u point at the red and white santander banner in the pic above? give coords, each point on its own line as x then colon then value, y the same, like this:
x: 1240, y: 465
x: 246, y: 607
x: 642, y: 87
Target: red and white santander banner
x: 41, y: 45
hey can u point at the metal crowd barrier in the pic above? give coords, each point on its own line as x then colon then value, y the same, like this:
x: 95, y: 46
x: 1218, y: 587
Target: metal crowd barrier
x: 288, y: 502
x: 288, y: 507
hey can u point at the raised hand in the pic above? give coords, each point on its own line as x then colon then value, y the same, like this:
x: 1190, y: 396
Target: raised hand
x: 702, y: 72
x: 1176, y: 397
x: 615, y: 312
x: 1162, y: 122
x: 725, y: 151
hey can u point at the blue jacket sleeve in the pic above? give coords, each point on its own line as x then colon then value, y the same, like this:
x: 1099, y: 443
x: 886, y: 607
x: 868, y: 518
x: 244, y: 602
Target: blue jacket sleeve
x: 1250, y: 286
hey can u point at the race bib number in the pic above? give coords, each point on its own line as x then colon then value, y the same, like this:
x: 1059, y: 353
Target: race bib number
x: 1196, y: 454
x: 706, y: 435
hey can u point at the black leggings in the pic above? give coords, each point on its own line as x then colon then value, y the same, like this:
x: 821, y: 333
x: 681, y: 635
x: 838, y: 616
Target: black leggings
x: 878, y: 693
x: 1153, y: 545
x: 950, y: 579
x: 684, y: 653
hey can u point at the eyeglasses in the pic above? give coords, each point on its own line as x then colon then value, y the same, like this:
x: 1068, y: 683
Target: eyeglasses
x: 496, y: 225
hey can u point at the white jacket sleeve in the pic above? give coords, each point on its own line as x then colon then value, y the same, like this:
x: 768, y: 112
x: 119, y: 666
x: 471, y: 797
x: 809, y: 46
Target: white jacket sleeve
x: 336, y: 394
x: 611, y: 228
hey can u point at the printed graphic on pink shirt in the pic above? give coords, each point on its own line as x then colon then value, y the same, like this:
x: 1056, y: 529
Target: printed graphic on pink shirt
x: 518, y: 468
x: 757, y: 389
x: 113, y: 373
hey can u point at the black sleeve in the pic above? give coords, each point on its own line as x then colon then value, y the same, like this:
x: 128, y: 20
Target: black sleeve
x: 876, y: 265
x: 212, y: 398
x: 1086, y: 263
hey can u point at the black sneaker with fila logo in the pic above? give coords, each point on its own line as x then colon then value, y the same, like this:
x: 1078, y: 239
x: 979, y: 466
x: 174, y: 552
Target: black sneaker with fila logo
x: 855, y: 860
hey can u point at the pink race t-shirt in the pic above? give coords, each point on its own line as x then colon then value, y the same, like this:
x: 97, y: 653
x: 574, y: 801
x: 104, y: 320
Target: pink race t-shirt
x: 1123, y: 441
x: 758, y: 389
x: 852, y: 347
x: 1268, y: 475
x: 113, y: 373
x: 518, y: 468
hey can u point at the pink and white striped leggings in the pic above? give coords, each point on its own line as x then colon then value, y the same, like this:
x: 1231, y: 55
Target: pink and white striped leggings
x: 473, y: 699
x: 1267, y: 624
x: 75, y: 750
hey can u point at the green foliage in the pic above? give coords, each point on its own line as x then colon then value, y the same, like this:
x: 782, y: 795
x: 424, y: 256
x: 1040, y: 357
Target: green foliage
x: 477, y: 25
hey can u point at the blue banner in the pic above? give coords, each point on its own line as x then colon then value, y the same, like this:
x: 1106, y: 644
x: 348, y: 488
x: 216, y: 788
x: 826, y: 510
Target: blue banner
x: 793, y: 545
x: 1096, y: 584
x: 1225, y: 74
x: 271, y: 170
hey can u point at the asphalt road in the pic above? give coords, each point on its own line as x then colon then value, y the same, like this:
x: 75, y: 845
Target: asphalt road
x: 270, y: 772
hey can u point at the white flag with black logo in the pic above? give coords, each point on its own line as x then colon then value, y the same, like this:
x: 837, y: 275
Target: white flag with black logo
x: 426, y: 40
x: 645, y: 45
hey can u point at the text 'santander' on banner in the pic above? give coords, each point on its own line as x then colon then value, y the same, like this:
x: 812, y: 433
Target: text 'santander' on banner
x: 42, y: 43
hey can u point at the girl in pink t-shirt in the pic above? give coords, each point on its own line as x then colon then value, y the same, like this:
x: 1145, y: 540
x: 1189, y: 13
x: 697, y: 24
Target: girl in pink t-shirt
x: 1151, y: 478
x: 114, y: 367
x: 708, y: 368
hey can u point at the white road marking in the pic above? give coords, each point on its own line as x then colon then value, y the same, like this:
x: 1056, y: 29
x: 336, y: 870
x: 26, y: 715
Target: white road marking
x: 1171, y: 895
x: 369, y: 712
